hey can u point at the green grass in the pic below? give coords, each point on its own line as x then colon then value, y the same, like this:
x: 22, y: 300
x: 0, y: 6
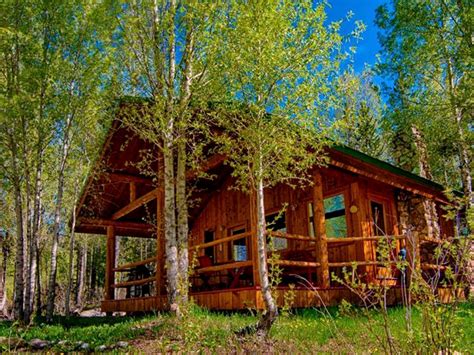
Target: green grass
x: 308, y: 330
x: 95, y: 331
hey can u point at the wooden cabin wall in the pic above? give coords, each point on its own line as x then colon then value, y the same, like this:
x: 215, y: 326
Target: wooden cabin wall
x: 229, y: 208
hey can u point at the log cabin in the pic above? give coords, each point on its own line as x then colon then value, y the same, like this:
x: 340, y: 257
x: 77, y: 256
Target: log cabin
x: 317, y: 231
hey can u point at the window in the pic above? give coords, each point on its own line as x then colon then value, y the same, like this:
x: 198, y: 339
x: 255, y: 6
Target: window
x: 209, y: 237
x: 335, y: 213
x: 378, y: 219
x: 277, y: 223
x: 239, y: 246
x: 310, y: 219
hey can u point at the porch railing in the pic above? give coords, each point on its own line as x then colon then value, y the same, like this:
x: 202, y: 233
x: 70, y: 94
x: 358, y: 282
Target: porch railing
x: 290, y: 259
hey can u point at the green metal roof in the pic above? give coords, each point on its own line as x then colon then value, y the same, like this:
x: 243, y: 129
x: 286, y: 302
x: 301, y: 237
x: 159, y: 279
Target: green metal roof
x: 387, y: 166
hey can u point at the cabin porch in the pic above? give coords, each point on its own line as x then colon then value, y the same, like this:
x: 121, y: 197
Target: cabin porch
x: 234, y: 285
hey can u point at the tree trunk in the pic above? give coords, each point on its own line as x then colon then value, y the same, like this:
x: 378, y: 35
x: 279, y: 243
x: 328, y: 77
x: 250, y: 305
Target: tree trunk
x: 431, y: 215
x: 170, y: 228
x: 181, y: 198
x: 29, y: 246
x: 92, y: 272
x: 81, y: 276
x: 181, y: 204
x: 169, y: 176
x: 464, y: 160
x: 3, y: 275
x: 271, y: 313
x: 67, y: 304
x: 57, y: 223
x: 116, y: 263
x: 38, y: 278
x: 18, y: 305
x: 33, y: 240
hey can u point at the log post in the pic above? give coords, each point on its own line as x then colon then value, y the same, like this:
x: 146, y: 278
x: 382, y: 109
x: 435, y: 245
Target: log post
x: 320, y: 231
x: 110, y: 264
x: 253, y: 237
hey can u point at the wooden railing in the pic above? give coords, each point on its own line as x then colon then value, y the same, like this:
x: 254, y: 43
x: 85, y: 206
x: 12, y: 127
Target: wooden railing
x: 130, y: 266
x: 221, y: 241
x: 298, y: 237
x: 286, y: 262
x: 127, y: 267
x: 362, y: 239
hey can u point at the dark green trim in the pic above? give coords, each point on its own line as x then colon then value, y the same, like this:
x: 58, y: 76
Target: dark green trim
x: 388, y: 167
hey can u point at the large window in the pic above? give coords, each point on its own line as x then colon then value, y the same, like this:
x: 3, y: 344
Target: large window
x: 335, y: 213
x: 276, y: 222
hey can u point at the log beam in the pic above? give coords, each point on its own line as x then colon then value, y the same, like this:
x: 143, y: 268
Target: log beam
x: 99, y: 222
x: 126, y: 178
x: 149, y: 196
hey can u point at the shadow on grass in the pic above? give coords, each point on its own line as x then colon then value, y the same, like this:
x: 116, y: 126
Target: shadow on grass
x: 78, y: 321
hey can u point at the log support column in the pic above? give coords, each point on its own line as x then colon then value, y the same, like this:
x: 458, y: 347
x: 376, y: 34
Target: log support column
x: 110, y: 264
x: 320, y: 231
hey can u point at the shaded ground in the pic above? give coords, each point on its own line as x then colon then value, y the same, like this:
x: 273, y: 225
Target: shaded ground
x: 308, y: 330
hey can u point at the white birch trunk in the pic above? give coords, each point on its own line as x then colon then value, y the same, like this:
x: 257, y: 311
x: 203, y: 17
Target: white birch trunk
x: 18, y: 305
x: 57, y: 223
x: 181, y: 198
x: 67, y: 305
x: 3, y: 275
x: 271, y: 313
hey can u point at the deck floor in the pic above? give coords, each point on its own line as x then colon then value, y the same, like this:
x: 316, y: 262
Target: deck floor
x: 245, y: 298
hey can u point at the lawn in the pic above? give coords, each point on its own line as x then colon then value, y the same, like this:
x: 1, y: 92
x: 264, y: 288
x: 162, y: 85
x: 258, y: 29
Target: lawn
x: 309, y: 330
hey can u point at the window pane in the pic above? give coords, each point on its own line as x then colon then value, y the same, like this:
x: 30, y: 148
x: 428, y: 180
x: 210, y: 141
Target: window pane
x: 336, y: 227
x: 239, y: 246
x: 378, y: 221
x: 310, y: 220
x: 335, y: 213
x: 276, y: 222
x: 209, y: 237
x: 334, y: 203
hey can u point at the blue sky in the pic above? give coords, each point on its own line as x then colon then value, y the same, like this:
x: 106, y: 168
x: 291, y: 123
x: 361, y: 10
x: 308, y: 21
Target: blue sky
x: 363, y: 10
